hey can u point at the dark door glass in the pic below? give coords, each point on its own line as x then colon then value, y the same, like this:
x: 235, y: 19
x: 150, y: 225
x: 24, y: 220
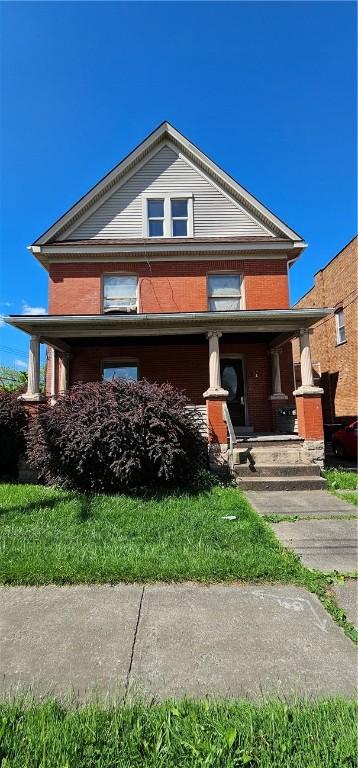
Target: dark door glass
x: 229, y: 381
x: 232, y: 379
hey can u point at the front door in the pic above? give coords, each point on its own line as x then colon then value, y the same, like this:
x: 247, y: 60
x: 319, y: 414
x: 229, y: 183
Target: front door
x: 232, y: 379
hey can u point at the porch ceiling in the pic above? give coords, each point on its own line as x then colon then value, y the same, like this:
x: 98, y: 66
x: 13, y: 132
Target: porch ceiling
x: 285, y: 322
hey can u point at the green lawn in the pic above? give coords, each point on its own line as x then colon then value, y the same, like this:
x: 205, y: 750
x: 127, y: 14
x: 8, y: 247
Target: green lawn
x: 341, y: 479
x: 48, y: 535
x: 343, y: 484
x: 186, y: 734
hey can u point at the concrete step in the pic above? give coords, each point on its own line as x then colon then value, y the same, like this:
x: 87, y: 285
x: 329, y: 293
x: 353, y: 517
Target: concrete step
x: 265, y: 456
x: 248, y: 441
x: 276, y: 470
x: 293, y: 483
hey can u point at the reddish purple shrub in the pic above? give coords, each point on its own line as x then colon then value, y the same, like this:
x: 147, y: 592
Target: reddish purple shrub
x: 13, y: 422
x: 117, y: 436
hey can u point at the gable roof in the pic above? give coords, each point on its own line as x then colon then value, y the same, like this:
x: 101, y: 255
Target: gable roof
x: 164, y: 132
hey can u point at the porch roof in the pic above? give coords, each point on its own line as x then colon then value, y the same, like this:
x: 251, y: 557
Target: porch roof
x: 286, y: 322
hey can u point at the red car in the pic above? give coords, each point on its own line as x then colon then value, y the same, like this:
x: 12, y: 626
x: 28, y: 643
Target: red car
x: 345, y: 441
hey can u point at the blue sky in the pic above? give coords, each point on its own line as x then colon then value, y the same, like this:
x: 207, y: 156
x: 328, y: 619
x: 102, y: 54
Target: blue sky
x: 266, y: 89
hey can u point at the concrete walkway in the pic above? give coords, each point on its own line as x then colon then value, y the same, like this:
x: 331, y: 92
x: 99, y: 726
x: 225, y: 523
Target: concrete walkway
x: 325, y: 545
x: 172, y: 640
x: 301, y: 503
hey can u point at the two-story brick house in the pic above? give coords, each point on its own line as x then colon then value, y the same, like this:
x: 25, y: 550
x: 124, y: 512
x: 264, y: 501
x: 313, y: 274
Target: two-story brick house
x: 168, y: 269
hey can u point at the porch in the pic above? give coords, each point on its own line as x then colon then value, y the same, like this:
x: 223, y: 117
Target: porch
x: 237, y: 366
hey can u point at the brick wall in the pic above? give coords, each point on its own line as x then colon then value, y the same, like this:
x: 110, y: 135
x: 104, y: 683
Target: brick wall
x: 166, y: 286
x: 184, y: 362
x: 336, y: 286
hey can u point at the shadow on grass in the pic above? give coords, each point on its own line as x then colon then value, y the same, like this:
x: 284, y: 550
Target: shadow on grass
x: 156, y: 493
x: 47, y: 505
x: 85, y: 501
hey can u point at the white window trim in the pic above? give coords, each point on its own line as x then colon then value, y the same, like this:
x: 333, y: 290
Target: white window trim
x: 167, y: 228
x: 227, y: 273
x: 339, y: 327
x: 108, y: 310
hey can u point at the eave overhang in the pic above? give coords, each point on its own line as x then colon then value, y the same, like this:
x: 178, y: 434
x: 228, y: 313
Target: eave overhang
x: 178, y: 249
x: 282, y: 321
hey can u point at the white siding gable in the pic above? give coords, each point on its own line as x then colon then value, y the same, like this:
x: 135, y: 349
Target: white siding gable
x: 167, y: 172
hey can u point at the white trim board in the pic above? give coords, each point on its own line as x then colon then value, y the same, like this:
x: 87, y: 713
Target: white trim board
x: 174, y: 251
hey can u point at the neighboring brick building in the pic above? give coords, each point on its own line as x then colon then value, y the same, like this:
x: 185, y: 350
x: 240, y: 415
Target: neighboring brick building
x: 334, y: 338
x: 168, y: 269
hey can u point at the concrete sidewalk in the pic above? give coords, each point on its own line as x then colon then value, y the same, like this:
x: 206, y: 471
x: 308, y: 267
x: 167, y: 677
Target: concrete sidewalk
x: 172, y: 640
x: 301, y: 503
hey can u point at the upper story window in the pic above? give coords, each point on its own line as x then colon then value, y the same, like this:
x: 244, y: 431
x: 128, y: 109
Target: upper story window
x: 224, y: 292
x: 120, y: 293
x: 155, y: 218
x: 169, y: 216
x: 179, y: 216
x: 340, y: 327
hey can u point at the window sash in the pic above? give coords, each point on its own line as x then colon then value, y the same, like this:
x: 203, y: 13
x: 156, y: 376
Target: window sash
x: 119, y: 291
x: 180, y: 218
x: 109, y: 369
x: 224, y: 286
x: 151, y: 218
x: 155, y: 200
x: 340, y: 327
x: 224, y: 292
x: 224, y: 304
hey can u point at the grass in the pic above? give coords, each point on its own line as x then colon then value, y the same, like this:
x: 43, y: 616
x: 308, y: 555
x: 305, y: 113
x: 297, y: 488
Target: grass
x: 53, y: 536
x: 343, y: 484
x: 49, y: 536
x: 186, y: 734
x: 339, y: 479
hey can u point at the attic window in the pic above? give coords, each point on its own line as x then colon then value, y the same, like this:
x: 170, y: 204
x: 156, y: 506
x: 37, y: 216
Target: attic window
x: 155, y: 218
x: 168, y: 216
x: 120, y: 293
x: 179, y: 211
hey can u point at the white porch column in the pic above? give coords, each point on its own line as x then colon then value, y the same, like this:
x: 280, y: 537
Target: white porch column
x: 276, y: 376
x: 33, y: 375
x: 215, y: 388
x: 306, y: 362
x: 64, y: 362
x: 53, y: 360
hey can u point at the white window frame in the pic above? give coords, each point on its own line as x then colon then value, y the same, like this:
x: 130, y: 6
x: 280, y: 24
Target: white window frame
x: 134, y: 309
x: 340, y: 327
x: 242, y: 291
x: 168, y: 225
